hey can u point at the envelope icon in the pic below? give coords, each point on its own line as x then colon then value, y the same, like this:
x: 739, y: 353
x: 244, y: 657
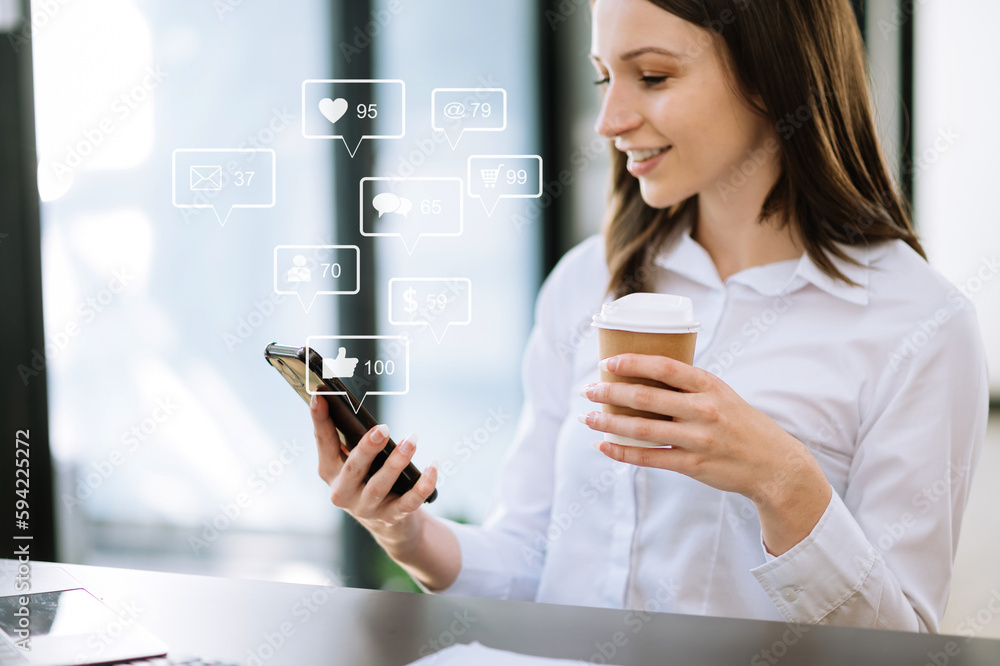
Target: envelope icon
x: 206, y: 178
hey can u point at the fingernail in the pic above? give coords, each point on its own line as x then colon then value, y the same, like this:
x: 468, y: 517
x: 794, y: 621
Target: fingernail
x: 583, y: 418
x: 381, y: 433
x: 406, y: 447
x: 609, y: 364
x: 597, y: 445
x: 433, y: 465
x: 412, y: 438
x: 312, y: 402
x: 586, y: 390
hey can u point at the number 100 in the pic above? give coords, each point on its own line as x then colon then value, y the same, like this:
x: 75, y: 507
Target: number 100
x: 380, y: 367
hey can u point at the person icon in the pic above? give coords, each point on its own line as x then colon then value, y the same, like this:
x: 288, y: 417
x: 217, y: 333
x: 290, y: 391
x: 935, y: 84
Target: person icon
x: 299, y: 272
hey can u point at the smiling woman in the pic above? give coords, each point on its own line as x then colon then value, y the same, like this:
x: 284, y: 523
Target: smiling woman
x: 779, y: 126
x: 747, y: 177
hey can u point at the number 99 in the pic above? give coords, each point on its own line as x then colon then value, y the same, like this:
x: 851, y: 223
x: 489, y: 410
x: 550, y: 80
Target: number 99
x: 519, y: 177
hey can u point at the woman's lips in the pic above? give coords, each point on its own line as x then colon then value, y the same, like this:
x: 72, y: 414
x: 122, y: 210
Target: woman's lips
x: 639, y: 167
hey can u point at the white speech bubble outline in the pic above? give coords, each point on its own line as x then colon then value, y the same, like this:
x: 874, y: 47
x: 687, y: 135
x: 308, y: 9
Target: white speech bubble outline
x: 434, y: 125
x: 391, y: 200
x: 357, y: 280
x: 437, y: 338
x: 404, y: 237
x: 361, y: 399
x: 402, y: 112
x: 489, y: 210
x: 222, y: 221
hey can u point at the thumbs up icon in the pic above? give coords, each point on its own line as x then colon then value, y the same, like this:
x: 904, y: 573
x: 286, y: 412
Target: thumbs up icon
x: 342, y: 366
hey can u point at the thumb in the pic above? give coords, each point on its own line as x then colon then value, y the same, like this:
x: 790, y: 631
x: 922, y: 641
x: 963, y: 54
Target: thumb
x: 341, y: 354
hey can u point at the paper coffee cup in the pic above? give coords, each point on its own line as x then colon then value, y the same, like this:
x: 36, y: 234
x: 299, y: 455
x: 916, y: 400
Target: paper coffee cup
x: 644, y: 323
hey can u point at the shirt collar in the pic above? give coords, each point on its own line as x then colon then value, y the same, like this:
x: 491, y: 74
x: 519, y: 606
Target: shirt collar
x: 683, y: 255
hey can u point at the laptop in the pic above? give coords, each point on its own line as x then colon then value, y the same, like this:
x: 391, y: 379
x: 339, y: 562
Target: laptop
x: 58, y: 622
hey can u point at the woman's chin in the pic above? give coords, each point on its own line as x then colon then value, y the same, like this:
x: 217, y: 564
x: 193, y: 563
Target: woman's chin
x: 661, y: 197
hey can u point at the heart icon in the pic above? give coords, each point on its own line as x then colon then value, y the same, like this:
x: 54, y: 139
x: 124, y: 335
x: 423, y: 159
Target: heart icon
x: 333, y: 109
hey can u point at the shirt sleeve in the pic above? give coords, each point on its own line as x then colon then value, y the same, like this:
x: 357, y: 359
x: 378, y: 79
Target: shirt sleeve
x: 881, y: 556
x: 503, y: 559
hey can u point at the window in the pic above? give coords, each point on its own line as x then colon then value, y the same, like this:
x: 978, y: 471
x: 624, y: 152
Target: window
x: 176, y: 445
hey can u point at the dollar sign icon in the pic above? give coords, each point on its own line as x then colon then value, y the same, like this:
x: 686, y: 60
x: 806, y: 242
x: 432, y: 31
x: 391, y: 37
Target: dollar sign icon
x: 411, y: 303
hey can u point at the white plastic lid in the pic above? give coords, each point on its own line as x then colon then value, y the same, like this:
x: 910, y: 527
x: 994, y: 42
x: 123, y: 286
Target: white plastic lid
x: 649, y: 313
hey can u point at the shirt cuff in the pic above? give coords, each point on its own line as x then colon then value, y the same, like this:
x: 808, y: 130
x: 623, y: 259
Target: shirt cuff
x: 479, y: 575
x: 822, y: 571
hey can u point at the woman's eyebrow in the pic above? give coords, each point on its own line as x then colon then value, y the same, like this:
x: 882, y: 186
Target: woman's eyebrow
x: 651, y: 49
x: 638, y: 52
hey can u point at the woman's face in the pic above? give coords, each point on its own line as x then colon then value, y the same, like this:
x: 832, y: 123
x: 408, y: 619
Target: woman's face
x: 668, y: 103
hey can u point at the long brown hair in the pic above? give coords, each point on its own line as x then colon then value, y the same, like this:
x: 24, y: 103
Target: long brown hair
x: 834, y: 184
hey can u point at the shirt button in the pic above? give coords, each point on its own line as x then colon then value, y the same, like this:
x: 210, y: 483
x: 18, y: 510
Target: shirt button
x: 789, y: 594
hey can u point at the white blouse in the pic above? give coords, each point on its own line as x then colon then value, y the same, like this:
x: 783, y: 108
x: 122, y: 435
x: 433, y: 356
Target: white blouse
x: 884, y: 382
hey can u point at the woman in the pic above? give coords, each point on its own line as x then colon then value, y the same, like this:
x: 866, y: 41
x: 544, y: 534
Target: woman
x: 822, y: 444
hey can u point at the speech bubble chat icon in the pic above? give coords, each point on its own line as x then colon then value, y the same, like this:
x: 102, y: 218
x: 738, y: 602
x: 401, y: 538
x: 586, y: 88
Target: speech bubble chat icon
x: 223, y: 179
x: 455, y: 111
x: 411, y: 208
x: 437, y: 303
x: 387, y: 202
x: 351, y: 109
x: 366, y: 364
x: 306, y: 271
x: 495, y: 177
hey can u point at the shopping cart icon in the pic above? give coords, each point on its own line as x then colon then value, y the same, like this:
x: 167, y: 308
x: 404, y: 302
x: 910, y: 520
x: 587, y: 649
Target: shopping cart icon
x: 490, y: 176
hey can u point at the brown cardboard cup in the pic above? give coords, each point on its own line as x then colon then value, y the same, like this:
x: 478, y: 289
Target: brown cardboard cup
x: 643, y: 323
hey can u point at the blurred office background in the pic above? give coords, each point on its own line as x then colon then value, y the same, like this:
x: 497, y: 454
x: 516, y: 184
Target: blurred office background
x: 161, y: 409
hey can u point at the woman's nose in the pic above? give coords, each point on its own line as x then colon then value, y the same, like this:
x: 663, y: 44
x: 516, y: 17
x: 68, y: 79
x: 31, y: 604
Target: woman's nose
x: 617, y: 115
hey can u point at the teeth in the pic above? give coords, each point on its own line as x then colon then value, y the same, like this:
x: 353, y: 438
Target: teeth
x: 643, y: 155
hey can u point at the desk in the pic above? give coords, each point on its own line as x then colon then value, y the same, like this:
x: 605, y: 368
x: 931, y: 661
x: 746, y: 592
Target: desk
x: 303, y: 625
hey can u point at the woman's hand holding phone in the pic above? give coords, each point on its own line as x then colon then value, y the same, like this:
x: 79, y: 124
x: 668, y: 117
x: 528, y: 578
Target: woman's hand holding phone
x: 394, y: 521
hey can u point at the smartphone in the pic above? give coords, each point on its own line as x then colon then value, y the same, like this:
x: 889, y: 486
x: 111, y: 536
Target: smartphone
x: 350, y: 418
